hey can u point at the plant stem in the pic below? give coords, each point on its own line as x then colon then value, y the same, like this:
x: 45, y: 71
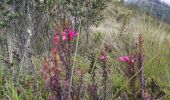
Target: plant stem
x: 73, y: 67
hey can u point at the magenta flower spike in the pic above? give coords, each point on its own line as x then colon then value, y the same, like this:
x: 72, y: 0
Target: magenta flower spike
x: 70, y: 35
x: 73, y: 33
x: 127, y: 59
x: 124, y: 59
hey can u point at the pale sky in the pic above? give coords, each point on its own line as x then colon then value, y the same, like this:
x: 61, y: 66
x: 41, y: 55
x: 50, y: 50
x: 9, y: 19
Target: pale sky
x: 166, y: 1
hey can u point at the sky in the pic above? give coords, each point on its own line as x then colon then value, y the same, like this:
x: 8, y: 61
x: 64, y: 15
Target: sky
x: 166, y: 1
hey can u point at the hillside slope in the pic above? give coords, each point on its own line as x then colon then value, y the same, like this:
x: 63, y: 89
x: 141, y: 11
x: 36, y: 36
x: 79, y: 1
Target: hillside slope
x: 155, y: 7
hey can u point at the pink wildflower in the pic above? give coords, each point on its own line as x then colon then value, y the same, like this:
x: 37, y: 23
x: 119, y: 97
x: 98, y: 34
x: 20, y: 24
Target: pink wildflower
x: 126, y: 59
x: 69, y: 34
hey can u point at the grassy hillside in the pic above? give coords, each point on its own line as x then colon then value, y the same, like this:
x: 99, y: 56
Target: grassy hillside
x: 125, y: 56
x: 153, y: 7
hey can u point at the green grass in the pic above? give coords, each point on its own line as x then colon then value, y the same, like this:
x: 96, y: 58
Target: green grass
x: 156, y: 45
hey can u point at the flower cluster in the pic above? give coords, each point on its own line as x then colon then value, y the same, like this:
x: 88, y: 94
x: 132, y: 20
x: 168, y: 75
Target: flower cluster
x: 67, y: 35
x: 130, y: 71
x: 127, y: 59
x: 52, y: 67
